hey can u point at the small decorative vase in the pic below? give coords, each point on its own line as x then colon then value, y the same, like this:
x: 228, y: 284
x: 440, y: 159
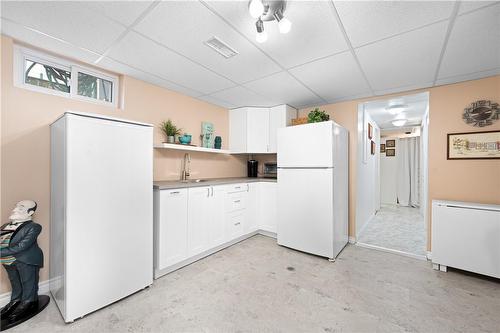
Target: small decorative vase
x: 170, y: 139
x: 218, y: 142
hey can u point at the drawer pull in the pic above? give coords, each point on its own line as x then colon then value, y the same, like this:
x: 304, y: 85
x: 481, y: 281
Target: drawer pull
x: 237, y: 223
x: 236, y: 201
x: 237, y: 187
x: 176, y: 192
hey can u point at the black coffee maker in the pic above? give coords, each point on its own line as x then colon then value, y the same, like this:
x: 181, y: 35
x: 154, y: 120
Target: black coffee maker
x: 253, y: 166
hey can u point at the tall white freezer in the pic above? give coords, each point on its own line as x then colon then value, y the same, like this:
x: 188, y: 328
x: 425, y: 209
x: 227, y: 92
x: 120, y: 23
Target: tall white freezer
x: 101, y: 235
x: 313, y: 188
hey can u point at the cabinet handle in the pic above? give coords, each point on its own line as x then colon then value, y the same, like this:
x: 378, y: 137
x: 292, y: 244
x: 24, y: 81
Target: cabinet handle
x: 237, y: 223
x: 212, y: 191
x: 236, y: 201
x: 176, y: 192
x: 237, y: 187
x: 208, y: 191
x: 248, y: 188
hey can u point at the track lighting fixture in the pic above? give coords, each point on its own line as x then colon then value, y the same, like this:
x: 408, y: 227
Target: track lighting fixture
x: 269, y: 10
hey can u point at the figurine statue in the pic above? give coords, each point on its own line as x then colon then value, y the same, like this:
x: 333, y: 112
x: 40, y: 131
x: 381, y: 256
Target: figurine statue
x: 21, y: 258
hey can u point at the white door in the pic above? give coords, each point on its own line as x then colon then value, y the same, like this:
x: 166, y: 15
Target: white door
x: 252, y: 207
x: 268, y: 206
x: 257, y: 130
x: 109, y: 213
x: 305, y: 210
x: 172, y: 233
x: 198, y: 219
x: 218, y: 215
x: 309, y: 145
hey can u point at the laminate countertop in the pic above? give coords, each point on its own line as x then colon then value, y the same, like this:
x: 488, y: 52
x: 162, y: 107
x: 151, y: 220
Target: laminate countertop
x: 171, y: 184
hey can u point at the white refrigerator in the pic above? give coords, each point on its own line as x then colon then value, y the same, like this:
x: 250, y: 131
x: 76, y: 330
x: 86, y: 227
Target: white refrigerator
x: 101, y: 231
x: 313, y: 188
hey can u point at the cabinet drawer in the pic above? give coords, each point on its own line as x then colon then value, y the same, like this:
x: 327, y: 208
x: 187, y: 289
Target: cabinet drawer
x: 237, y: 188
x: 236, y: 201
x: 235, y: 222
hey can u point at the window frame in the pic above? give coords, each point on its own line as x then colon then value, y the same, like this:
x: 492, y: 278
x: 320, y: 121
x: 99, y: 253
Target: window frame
x: 21, y: 54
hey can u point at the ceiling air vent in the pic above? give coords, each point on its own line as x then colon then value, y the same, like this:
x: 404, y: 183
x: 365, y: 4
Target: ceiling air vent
x: 225, y: 50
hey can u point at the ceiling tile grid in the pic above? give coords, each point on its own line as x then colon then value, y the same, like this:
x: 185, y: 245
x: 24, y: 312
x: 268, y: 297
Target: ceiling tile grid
x: 474, y: 43
x: 334, y: 77
x: 185, y: 26
x: 241, y: 96
x: 407, y: 59
x: 153, y: 58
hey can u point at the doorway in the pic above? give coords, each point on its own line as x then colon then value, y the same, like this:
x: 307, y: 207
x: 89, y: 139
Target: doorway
x: 391, y: 209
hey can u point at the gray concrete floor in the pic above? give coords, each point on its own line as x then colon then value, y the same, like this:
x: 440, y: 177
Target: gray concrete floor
x: 397, y: 228
x: 258, y: 286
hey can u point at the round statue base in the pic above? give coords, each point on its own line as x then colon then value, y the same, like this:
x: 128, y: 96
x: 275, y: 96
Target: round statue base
x: 43, y: 301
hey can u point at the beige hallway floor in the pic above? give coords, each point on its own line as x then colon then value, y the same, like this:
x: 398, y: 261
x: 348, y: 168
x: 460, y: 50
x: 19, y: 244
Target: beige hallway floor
x: 396, y: 228
x: 258, y: 286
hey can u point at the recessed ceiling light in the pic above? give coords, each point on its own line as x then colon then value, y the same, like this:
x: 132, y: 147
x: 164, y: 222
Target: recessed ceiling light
x: 395, y: 109
x: 399, y: 122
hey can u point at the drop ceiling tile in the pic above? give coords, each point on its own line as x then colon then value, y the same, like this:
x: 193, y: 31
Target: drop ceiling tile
x: 73, y: 22
x: 468, y: 77
x: 37, y: 39
x: 283, y: 88
x: 124, y: 12
x: 333, y: 77
x: 120, y: 68
x: 467, y: 6
x: 185, y: 26
x: 315, y: 32
x: 474, y: 43
x: 240, y: 96
x: 403, y: 60
x: 148, y: 56
x: 368, y: 21
x: 216, y: 101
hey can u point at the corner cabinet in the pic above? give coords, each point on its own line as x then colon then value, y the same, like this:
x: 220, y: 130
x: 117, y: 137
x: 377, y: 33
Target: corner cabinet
x: 253, y: 130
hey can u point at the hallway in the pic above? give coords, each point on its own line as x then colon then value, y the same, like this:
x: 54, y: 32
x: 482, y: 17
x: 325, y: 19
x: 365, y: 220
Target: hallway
x: 396, y: 228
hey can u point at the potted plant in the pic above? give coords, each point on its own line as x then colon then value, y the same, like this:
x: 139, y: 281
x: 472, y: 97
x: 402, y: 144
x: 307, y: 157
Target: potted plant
x: 316, y: 116
x: 170, y: 130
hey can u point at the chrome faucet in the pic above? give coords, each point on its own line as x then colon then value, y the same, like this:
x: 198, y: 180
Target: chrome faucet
x: 185, y: 170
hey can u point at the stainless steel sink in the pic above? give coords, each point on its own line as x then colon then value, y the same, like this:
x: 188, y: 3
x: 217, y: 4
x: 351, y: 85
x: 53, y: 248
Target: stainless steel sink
x: 193, y: 181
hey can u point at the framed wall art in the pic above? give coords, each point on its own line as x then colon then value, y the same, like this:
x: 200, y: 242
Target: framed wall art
x: 373, y: 147
x: 370, y: 131
x: 390, y: 152
x: 390, y: 143
x: 382, y: 147
x: 473, y: 145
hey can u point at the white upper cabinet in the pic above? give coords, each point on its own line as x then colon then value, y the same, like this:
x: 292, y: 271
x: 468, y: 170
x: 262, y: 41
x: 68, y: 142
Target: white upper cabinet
x: 253, y: 130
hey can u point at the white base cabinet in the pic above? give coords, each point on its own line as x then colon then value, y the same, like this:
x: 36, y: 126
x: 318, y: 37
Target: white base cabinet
x: 191, y: 223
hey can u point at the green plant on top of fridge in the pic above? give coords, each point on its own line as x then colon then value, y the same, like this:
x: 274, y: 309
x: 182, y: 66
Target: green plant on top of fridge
x: 316, y: 116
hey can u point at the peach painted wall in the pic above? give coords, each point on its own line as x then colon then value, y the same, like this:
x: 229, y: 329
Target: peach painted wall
x: 25, y: 139
x: 473, y: 180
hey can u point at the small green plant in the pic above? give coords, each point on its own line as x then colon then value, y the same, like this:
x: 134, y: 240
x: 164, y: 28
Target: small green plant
x: 169, y: 128
x: 316, y: 116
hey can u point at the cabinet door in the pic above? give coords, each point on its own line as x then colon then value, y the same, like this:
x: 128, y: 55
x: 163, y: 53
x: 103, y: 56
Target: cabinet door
x: 235, y: 222
x: 252, y: 208
x: 268, y: 202
x: 279, y: 116
x: 218, y: 214
x: 171, y: 227
x: 257, y: 130
x: 198, y: 219
x: 238, y: 130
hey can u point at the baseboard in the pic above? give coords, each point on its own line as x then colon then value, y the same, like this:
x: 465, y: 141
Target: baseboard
x: 267, y: 233
x: 43, y: 288
x: 384, y: 249
x: 429, y: 255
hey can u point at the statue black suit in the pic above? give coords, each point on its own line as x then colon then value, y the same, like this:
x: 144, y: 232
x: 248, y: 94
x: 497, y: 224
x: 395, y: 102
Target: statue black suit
x: 22, y: 259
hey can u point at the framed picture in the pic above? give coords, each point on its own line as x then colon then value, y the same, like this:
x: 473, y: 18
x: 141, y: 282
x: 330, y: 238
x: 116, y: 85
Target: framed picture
x: 390, y: 143
x: 373, y: 147
x: 382, y: 147
x: 390, y: 152
x: 474, y: 145
x: 370, y: 131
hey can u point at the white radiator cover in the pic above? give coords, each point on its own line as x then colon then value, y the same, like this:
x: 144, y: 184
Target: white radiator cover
x: 466, y: 236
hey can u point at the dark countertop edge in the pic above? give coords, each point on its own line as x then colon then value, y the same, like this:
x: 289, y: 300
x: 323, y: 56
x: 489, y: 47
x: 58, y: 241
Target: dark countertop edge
x: 174, y: 184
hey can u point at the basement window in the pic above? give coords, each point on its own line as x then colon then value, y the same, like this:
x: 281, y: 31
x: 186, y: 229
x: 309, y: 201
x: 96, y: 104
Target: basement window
x: 40, y: 72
